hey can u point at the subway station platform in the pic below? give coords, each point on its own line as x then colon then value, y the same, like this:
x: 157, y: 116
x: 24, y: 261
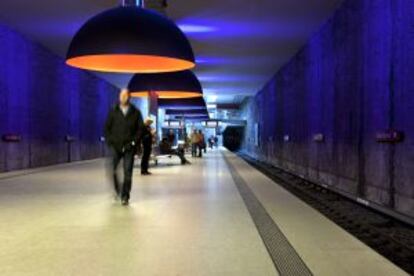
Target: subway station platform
x: 218, y: 216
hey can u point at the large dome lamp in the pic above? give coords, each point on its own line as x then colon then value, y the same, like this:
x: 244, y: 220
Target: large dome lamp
x: 173, y: 85
x: 186, y: 112
x: 191, y: 103
x: 130, y: 39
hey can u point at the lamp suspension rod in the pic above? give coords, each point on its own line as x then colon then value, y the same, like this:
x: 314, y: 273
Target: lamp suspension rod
x: 138, y: 3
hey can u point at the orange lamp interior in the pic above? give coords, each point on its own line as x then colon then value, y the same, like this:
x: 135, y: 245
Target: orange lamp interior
x: 128, y: 63
x: 167, y: 94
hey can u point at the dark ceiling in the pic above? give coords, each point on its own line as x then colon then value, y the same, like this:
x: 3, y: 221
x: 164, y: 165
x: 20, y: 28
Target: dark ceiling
x: 239, y: 44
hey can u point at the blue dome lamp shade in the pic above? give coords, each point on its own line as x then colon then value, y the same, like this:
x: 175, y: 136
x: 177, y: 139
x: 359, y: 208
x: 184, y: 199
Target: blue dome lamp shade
x: 180, y: 104
x: 186, y: 112
x: 130, y: 39
x: 193, y: 118
x: 173, y: 85
x: 188, y: 115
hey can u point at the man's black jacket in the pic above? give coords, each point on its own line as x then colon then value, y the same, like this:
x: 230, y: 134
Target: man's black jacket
x: 146, y: 137
x: 121, y: 130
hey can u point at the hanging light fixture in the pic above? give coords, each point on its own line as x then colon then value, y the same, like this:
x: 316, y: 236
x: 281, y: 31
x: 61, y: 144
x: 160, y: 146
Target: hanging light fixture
x: 179, y: 104
x: 193, y: 118
x: 130, y: 39
x: 185, y: 112
x: 174, y: 85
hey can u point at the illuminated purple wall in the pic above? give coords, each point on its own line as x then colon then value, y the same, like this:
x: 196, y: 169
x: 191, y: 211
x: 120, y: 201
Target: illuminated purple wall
x: 353, y: 80
x: 43, y: 100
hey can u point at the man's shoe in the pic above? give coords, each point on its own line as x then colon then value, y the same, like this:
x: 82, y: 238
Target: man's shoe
x: 146, y: 173
x: 125, y: 202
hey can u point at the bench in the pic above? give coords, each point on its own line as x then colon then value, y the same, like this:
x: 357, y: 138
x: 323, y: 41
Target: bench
x: 156, y: 155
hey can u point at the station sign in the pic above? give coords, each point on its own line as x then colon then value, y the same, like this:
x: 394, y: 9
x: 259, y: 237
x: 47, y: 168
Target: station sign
x: 319, y: 138
x: 11, y: 138
x: 210, y: 124
x: 69, y: 138
x: 172, y: 124
x: 390, y: 136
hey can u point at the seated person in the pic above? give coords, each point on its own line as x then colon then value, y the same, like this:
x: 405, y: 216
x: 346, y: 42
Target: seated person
x: 165, y: 148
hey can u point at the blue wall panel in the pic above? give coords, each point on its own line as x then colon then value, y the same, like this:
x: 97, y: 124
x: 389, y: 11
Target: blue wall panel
x: 350, y: 82
x: 404, y: 104
x: 43, y: 100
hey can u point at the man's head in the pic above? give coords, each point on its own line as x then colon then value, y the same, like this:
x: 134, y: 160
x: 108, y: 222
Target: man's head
x: 148, y: 121
x: 124, y: 97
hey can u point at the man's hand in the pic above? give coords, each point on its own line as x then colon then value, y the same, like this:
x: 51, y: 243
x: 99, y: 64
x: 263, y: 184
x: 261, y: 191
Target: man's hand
x: 129, y: 147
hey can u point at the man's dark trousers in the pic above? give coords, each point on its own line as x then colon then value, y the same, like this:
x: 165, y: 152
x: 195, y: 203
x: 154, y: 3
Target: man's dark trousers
x: 200, y: 150
x: 128, y: 162
x: 145, y: 158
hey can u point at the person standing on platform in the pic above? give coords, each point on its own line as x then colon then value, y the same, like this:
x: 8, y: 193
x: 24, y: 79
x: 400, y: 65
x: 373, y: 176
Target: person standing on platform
x: 122, y: 134
x: 201, y: 143
x: 147, y: 140
x: 211, y: 142
x: 195, y: 139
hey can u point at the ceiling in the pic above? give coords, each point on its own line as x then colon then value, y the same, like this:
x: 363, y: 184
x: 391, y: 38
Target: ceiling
x: 239, y: 44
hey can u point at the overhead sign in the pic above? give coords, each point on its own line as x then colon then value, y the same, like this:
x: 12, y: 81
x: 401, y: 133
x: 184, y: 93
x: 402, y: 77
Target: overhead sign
x: 172, y: 124
x: 211, y: 124
x: 175, y: 123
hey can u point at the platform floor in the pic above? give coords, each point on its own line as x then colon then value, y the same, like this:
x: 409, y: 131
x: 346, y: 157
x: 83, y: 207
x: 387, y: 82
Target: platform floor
x: 203, y: 219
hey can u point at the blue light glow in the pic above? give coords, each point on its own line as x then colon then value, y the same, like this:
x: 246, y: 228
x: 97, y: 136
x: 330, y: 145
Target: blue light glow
x: 245, y: 60
x: 212, y: 60
x: 204, y: 77
x: 190, y: 28
x: 199, y: 27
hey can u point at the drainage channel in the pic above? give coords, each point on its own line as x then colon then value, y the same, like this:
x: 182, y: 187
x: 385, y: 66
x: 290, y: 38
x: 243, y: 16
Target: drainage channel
x: 285, y: 258
x: 391, y: 238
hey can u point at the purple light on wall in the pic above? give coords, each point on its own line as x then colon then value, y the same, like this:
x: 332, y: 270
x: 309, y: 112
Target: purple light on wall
x: 217, y: 60
x: 349, y: 84
x: 276, y: 28
x: 44, y: 100
x: 229, y: 78
x: 53, y: 27
x: 192, y: 28
x: 212, y: 60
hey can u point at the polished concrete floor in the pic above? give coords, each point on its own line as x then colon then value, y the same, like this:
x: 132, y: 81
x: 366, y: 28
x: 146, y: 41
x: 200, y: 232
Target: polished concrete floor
x: 182, y: 220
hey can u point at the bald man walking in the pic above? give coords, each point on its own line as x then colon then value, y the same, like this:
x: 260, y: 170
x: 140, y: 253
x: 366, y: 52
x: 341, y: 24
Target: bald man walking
x: 122, y: 134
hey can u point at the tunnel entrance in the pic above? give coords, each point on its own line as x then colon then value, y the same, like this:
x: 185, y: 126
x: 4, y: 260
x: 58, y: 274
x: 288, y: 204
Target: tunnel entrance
x: 232, y: 137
